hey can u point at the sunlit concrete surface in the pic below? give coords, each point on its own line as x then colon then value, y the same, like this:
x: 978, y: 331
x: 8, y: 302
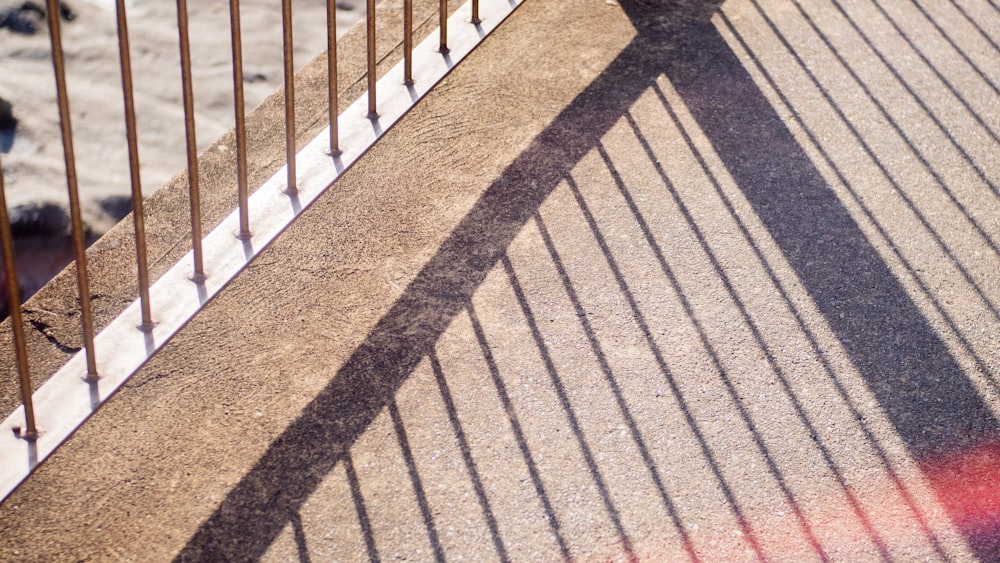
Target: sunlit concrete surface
x: 650, y: 281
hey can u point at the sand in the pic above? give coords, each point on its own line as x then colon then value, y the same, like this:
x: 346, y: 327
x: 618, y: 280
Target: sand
x: 32, y: 156
x: 34, y: 165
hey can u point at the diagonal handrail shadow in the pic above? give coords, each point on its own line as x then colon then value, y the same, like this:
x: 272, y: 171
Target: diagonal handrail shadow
x: 315, y: 442
x: 920, y: 386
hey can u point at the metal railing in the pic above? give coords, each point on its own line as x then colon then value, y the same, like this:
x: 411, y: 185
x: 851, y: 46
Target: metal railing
x: 148, y: 309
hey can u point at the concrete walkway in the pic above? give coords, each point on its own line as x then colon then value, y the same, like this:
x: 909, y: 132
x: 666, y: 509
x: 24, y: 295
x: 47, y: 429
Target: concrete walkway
x: 674, y: 282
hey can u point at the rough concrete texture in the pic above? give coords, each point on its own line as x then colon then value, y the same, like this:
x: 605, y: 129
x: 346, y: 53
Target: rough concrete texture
x: 52, y: 316
x: 654, y: 281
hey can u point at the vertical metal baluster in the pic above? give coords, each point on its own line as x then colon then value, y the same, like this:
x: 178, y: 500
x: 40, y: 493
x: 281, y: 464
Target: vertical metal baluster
x: 287, y: 46
x: 187, y: 86
x: 443, y: 23
x: 83, y: 283
x: 138, y: 217
x: 30, y: 431
x: 241, y: 128
x: 370, y: 20
x: 331, y: 69
x: 407, y: 41
x: 475, y: 12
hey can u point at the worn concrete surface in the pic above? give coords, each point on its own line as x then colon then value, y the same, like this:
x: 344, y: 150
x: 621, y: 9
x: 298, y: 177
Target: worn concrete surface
x: 655, y: 281
x: 52, y: 317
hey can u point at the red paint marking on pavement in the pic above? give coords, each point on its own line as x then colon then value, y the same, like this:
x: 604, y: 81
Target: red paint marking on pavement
x: 968, y: 484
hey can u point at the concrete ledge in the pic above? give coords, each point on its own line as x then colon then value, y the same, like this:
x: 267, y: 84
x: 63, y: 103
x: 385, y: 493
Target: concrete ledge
x: 52, y: 321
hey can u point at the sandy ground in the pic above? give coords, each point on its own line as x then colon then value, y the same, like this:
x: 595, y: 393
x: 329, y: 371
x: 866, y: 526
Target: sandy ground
x: 34, y: 165
x: 33, y: 156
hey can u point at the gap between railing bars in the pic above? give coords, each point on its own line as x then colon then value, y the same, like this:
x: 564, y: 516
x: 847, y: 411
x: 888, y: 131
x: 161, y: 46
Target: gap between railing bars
x: 29, y: 431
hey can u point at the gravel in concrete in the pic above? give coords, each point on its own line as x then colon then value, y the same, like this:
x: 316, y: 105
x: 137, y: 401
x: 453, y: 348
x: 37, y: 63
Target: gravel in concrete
x: 649, y: 281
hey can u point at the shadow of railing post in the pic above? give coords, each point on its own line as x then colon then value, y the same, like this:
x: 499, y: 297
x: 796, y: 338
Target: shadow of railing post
x: 319, y: 439
x: 918, y: 383
x: 916, y: 380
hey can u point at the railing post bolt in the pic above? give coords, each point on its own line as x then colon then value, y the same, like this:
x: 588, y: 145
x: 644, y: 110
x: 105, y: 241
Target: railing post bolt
x: 26, y: 434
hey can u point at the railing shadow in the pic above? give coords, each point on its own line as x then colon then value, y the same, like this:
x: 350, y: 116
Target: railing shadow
x: 321, y: 436
x: 519, y: 435
x: 917, y: 382
x: 470, y: 464
x: 856, y: 196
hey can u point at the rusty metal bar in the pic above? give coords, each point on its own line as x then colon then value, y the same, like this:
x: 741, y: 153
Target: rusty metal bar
x: 370, y: 20
x: 187, y: 86
x: 79, y: 243
x: 443, y: 23
x: 475, y: 12
x: 243, y: 192
x: 331, y: 70
x: 407, y: 41
x: 30, y: 431
x: 287, y: 46
x: 138, y: 217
